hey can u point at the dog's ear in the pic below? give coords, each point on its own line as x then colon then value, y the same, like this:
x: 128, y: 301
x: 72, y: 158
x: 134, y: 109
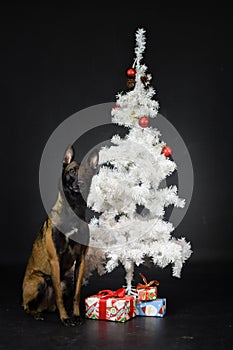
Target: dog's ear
x: 69, y: 156
x: 93, y: 159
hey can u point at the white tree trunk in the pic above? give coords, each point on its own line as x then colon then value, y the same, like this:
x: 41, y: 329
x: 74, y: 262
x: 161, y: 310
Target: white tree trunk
x: 129, y: 272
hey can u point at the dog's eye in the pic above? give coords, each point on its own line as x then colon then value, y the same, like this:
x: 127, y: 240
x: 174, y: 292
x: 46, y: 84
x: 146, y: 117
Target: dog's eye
x: 72, y: 171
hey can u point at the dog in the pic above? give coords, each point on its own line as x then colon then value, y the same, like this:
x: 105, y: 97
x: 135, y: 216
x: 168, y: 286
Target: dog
x: 56, y: 265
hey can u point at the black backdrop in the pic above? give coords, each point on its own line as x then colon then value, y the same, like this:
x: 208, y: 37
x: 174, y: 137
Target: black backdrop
x: 59, y: 59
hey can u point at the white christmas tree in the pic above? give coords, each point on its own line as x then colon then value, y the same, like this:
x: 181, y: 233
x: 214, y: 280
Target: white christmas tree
x: 127, y: 190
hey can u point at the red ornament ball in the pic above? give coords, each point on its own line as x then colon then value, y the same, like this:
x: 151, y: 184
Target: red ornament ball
x: 131, y: 72
x: 167, y: 151
x: 144, y: 122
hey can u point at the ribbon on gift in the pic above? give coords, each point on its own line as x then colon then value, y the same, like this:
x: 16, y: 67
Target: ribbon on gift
x: 146, y: 284
x: 107, y: 294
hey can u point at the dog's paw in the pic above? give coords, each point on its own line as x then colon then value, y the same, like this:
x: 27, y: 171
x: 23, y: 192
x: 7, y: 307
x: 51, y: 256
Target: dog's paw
x: 78, y: 320
x: 68, y: 322
x: 39, y: 316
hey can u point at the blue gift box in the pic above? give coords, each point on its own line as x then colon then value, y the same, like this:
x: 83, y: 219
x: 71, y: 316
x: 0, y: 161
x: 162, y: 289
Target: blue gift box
x: 156, y: 308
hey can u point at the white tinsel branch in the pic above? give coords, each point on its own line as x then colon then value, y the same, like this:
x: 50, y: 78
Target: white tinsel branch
x: 140, y: 45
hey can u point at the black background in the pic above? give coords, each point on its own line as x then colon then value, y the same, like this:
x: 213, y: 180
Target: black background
x: 58, y: 59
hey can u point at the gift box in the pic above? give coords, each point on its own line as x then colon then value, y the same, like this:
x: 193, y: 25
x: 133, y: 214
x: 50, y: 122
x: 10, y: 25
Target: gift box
x: 147, y: 294
x: 155, y: 308
x: 111, y: 305
x: 148, y: 290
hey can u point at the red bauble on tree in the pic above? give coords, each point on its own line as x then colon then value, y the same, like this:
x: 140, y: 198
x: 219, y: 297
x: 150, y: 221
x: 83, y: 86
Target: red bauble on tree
x: 144, y: 122
x: 167, y: 151
x: 131, y: 72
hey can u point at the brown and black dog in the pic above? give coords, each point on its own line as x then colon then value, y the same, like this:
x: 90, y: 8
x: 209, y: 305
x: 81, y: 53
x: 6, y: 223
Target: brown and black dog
x: 58, y: 254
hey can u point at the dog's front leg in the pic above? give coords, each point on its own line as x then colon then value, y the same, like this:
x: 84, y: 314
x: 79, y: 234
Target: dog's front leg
x: 79, y: 272
x: 55, y: 275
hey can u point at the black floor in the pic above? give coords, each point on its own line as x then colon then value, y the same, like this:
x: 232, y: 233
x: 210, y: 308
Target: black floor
x: 199, y: 314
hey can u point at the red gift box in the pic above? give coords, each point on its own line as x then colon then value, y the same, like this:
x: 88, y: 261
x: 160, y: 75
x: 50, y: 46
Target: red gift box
x: 148, y: 290
x: 111, y: 305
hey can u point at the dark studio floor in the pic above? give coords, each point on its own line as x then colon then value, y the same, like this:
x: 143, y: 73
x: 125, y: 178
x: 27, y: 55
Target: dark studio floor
x: 199, y: 314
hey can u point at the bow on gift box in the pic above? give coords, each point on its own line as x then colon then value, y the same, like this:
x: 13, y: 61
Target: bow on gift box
x: 146, y: 284
x: 108, y: 293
